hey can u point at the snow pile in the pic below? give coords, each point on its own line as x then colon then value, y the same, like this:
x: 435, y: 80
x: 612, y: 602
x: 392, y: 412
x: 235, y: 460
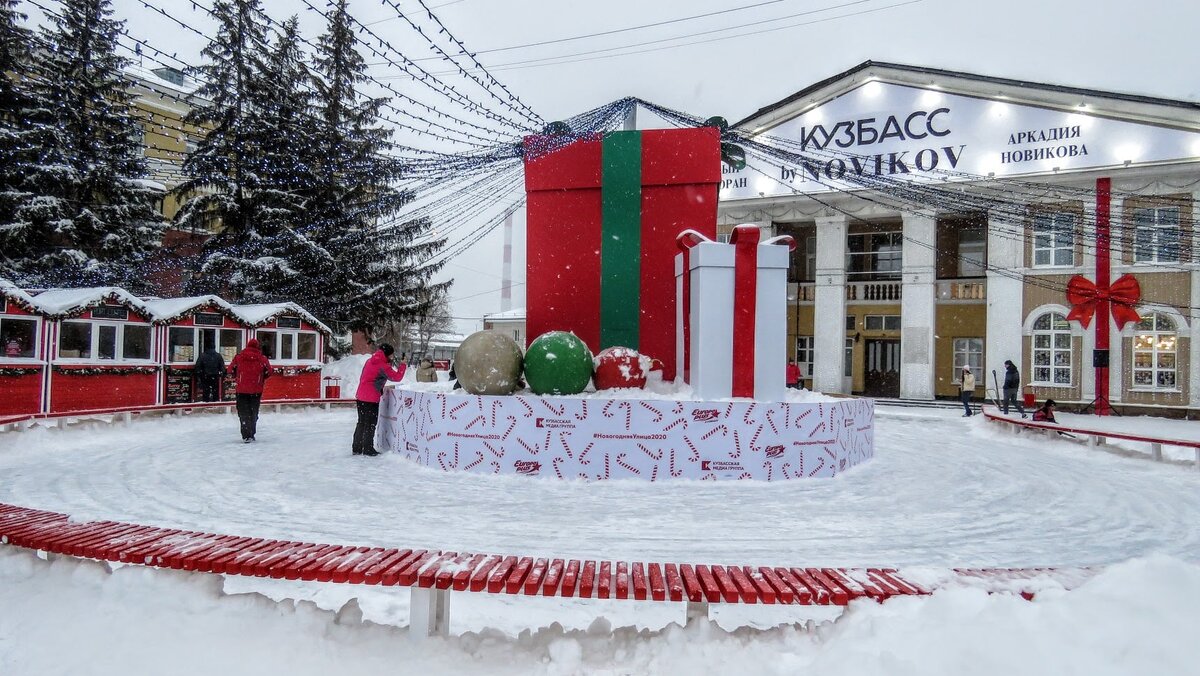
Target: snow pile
x: 262, y: 313
x: 169, y: 308
x: 656, y: 390
x: 70, y: 617
x: 347, y: 368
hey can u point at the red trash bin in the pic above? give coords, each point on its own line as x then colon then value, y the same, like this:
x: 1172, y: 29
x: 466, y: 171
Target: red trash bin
x: 1030, y: 399
x: 333, y: 387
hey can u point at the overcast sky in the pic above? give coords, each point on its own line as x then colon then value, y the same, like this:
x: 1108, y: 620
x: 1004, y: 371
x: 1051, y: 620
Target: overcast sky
x: 1146, y: 47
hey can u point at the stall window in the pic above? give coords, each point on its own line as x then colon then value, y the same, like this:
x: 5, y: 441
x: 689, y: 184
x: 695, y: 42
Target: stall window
x: 75, y: 340
x: 1052, y: 350
x: 288, y: 345
x: 18, y: 338
x: 266, y: 340
x: 108, y: 342
x: 181, y: 344
x: 306, y: 346
x: 231, y: 343
x: 1154, y: 346
x: 136, y: 344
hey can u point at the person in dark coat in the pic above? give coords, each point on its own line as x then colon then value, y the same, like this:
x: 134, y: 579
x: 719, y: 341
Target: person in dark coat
x: 1012, y: 387
x: 210, y: 368
x: 376, y: 372
x: 250, y: 370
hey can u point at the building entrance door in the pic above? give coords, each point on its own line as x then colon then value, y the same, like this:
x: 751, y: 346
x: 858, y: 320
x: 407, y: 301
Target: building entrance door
x: 882, y: 363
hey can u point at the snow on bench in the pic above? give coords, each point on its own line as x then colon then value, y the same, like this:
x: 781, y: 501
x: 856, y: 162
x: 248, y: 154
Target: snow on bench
x: 126, y: 413
x: 432, y: 574
x: 1097, y: 437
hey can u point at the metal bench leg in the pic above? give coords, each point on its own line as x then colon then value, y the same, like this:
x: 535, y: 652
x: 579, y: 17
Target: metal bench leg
x: 1198, y: 459
x: 428, y: 613
x: 696, y: 610
x: 1092, y: 441
x: 1156, y: 451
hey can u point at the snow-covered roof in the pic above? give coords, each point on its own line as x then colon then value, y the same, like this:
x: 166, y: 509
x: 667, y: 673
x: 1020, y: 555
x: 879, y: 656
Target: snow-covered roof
x: 508, y: 315
x: 261, y: 313
x: 18, y: 295
x: 165, y: 309
x: 159, y: 82
x: 72, y: 302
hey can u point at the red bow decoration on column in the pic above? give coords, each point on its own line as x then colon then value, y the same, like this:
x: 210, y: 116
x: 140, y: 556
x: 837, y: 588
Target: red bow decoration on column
x: 1123, y: 294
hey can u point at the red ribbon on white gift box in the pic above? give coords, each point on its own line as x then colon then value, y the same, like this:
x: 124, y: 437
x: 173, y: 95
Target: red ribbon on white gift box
x: 745, y: 240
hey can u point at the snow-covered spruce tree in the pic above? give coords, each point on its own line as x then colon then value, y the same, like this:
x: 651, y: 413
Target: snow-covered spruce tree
x: 377, y: 267
x: 280, y: 126
x: 16, y: 122
x: 223, y: 172
x: 86, y: 216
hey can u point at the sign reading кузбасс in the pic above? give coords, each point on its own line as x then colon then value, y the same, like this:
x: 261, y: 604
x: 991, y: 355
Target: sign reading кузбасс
x: 888, y: 131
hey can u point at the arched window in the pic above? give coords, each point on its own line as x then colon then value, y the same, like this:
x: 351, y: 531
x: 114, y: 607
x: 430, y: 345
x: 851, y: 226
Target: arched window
x: 1052, y: 350
x: 1154, y: 345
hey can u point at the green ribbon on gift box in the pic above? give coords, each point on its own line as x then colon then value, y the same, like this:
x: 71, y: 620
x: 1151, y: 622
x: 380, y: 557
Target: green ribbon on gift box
x: 620, y: 238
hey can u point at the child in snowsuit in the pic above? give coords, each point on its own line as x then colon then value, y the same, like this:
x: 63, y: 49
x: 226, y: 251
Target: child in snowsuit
x: 1045, y: 413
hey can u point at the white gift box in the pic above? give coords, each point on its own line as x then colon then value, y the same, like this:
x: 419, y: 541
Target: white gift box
x: 731, y: 317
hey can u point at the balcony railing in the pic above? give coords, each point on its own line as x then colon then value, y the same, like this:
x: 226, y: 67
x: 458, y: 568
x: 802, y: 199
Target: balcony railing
x: 962, y: 289
x: 804, y: 292
x: 873, y: 291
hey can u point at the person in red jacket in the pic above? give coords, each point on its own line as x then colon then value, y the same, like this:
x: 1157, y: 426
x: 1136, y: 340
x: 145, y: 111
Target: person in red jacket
x: 377, y: 371
x: 250, y: 370
x: 793, y: 374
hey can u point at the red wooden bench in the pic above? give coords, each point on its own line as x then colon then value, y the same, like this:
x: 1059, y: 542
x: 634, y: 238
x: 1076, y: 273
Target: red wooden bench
x: 1097, y: 437
x: 432, y: 574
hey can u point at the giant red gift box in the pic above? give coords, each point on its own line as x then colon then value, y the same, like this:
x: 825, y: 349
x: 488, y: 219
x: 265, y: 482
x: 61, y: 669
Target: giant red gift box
x: 602, y: 217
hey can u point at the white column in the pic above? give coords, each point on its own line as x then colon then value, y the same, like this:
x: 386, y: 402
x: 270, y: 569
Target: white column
x: 918, y: 306
x: 1115, y: 356
x: 1087, y: 376
x: 1005, y: 299
x: 1193, y: 320
x: 829, y: 306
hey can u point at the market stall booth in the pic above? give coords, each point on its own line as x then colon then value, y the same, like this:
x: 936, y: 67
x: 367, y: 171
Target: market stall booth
x: 100, y: 347
x: 184, y: 329
x: 22, y: 352
x: 294, y: 341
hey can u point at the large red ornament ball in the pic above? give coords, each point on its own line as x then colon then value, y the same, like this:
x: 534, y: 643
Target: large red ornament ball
x: 619, y: 367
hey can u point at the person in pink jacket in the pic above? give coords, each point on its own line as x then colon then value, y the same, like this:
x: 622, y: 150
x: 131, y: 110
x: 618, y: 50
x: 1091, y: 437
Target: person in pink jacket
x: 377, y: 371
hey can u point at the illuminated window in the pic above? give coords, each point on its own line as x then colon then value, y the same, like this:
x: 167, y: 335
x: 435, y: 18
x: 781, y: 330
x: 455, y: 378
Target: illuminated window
x: 968, y: 352
x: 1052, y: 350
x: 1154, y: 346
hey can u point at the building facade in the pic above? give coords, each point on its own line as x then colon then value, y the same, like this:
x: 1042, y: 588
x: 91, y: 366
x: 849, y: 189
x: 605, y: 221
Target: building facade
x: 939, y: 217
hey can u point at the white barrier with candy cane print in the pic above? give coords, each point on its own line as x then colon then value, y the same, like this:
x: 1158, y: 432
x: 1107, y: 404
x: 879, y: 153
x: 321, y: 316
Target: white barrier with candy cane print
x: 652, y: 439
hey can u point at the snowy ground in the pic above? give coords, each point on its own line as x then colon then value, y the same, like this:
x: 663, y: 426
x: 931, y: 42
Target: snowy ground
x: 1162, y: 428
x: 941, y: 491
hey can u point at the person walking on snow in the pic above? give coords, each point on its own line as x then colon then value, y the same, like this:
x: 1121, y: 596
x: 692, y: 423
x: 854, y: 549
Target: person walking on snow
x: 966, y: 389
x: 377, y: 371
x: 250, y: 370
x: 1012, y: 386
x: 209, y: 369
x: 793, y: 374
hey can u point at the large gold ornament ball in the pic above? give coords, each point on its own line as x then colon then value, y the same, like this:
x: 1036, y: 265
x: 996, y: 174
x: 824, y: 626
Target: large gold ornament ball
x: 488, y: 363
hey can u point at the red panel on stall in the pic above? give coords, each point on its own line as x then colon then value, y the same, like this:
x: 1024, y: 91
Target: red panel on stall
x: 299, y: 386
x: 70, y: 392
x: 22, y: 394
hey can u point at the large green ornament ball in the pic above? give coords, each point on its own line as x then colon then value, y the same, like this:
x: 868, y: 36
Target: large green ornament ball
x: 488, y: 363
x: 558, y: 363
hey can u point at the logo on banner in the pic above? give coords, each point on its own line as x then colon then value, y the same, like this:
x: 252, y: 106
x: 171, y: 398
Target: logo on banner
x: 410, y: 447
x: 528, y: 467
x: 408, y: 402
x: 774, y: 451
x: 555, y: 423
x: 705, y: 414
x: 720, y: 466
